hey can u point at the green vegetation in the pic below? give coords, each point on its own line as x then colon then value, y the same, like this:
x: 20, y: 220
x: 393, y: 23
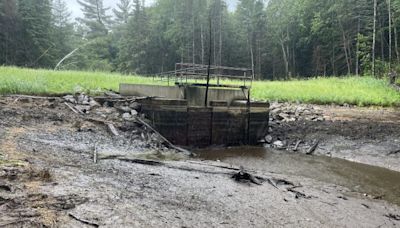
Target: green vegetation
x: 361, y: 91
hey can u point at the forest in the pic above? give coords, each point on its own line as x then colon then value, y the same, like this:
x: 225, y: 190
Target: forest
x: 278, y: 39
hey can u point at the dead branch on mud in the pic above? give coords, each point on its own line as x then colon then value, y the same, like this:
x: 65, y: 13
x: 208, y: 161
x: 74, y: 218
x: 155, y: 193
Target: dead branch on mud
x: 83, y: 220
x: 243, y: 176
x: 112, y: 129
x: 312, y: 149
x: 393, y: 152
x: 296, y: 147
x: 77, y: 111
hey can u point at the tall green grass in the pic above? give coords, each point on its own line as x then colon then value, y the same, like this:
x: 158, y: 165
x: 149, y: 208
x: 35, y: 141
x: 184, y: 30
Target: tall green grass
x: 362, y: 91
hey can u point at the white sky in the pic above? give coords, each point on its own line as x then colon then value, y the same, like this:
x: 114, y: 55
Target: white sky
x: 76, y: 11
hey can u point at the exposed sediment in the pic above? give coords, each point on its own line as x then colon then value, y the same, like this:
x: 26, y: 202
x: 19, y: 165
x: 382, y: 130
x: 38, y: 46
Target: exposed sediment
x: 49, y: 177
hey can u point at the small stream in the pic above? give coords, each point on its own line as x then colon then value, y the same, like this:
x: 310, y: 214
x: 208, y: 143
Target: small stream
x: 361, y: 178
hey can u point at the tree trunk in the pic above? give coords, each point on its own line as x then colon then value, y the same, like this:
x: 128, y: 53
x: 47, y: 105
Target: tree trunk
x: 346, y: 54
x: 374, y: 39
x: 396, y: 47
x: 390, y: 33
x: 358, y: 47
x: 285, y: 60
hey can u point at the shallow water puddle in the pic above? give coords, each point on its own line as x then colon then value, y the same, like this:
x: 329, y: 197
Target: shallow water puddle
x: 374, y: 181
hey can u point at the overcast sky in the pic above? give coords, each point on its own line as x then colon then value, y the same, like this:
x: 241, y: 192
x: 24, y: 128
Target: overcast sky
x: 76, y: 11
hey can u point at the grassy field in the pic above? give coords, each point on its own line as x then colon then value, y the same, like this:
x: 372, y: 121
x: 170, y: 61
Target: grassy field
x: 362, y: 91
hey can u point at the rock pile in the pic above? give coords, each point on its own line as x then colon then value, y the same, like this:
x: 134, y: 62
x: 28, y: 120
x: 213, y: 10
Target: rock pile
x: 283, y: 114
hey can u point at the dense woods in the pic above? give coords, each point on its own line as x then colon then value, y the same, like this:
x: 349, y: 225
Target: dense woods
x: 279, y: 39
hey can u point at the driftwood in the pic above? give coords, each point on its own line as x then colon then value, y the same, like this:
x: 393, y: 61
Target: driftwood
x: 393, y: 216
x: 163, y: 138
x: 296, y: 147
x: 95, y: 154
x: 84, y: 221
x: 393, y: 152
x: 312, y: 149
x: 243, y: 176
x: 112, y: 129
x: 77, y: 111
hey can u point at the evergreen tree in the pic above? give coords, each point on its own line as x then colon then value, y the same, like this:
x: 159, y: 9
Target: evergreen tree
x: 95, y: 18
x: 62, y: 29
x: 36, y: 43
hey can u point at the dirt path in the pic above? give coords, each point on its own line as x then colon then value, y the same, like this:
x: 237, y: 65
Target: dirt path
x: 49, y: 177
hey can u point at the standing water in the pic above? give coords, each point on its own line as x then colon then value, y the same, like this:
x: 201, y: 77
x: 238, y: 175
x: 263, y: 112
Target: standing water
x: 374, y: 181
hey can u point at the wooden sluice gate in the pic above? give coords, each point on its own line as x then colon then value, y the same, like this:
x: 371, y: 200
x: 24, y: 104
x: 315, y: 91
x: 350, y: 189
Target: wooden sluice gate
x: 201, y: 115
x: 229, y: 120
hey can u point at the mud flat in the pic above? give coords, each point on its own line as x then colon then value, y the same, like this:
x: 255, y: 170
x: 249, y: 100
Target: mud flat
x: 65, y: 169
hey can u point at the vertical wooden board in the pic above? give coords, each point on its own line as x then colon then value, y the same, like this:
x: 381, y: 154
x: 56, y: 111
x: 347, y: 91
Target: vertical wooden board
x: 237, y: 126
x: 258, y: 126
x: 199, y: 127
x: 220, y: 126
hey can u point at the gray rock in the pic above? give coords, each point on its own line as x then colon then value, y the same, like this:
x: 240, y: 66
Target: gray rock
x: 279, y: 144
x: 125, y: 109
x: 126, y: 116
x: 83, y: 99
x: 134, y: 105
x: 134, y: 112
x: 268, y: 139
x: 70, y: 99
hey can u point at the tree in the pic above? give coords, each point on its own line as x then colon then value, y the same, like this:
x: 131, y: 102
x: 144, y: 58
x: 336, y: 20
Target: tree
x: 95, y: 18
x: 62, y: 29
x: 36, y: 43
x: 9, y: 28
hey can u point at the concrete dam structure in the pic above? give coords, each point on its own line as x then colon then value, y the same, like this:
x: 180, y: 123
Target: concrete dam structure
x: 180, y: 115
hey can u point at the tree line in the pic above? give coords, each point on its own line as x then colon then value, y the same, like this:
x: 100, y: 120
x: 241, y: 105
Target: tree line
x: 278, y: 39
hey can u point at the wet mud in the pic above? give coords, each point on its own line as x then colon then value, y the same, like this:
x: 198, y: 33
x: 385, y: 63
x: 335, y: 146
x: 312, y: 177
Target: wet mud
x: 59, y: 168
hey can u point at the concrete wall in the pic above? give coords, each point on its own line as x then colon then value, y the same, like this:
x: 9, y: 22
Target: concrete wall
x: 169, y: 92
x: 194, y: 95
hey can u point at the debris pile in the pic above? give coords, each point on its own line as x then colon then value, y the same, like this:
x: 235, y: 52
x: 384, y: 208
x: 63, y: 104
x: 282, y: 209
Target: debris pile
x: 121, y: 115
x: 281, y: 116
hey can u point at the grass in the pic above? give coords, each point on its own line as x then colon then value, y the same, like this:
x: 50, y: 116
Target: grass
x: 362, y: 91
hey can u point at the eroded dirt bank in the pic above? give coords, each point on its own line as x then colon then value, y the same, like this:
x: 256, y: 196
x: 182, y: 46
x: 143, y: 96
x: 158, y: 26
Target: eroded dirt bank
x: 61, y: 168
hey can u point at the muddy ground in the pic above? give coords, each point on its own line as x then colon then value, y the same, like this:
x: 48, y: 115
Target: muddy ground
x: 64, y: 169
x: 365, y: 135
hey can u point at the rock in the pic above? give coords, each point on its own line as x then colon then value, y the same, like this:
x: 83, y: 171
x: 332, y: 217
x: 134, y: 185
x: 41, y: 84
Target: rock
x: 126, y: 116
x: 70, y: 99
x: 93, y: 103
x: 268, y: 139
x: 83, y: 99
x: 134, y: 112
x: 134, y: 105
x: 279, y: 144
x: 124, y: 109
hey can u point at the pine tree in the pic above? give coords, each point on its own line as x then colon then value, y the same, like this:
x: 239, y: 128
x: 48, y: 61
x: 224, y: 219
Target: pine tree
x: 36, y: 43
x: 62, y: 29
x: 123, y: 12
x: 8, y: 32
x: 95, y: 18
